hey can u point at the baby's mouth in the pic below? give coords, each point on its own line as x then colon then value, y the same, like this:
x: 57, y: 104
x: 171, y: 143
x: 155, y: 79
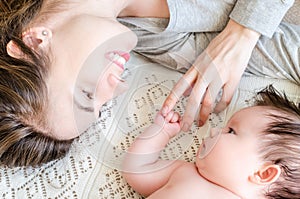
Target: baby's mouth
x: 202, y: 150
x: 209, y: 143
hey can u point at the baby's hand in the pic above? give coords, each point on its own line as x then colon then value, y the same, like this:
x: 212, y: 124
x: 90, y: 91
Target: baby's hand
x: 170, y: 124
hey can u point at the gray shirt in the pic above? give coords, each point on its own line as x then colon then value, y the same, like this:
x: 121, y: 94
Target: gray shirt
x: 177, y: 42
x: 262, y: 16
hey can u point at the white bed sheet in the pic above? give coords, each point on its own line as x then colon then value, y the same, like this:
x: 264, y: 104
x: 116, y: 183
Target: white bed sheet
x: 91, y: 168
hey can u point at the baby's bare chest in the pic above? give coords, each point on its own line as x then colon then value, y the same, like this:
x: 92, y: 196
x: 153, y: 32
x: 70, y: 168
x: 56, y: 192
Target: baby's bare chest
x: 186, y: 182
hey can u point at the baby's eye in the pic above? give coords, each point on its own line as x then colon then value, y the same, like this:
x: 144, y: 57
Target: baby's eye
x: 231, y: 131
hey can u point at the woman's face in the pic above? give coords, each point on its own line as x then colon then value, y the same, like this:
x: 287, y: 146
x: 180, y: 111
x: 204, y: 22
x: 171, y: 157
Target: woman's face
x: 88, y: 55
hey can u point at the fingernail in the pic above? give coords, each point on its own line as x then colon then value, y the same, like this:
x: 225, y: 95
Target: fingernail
x: 185, y: 127
x: 200, y: 123
x: 165, y: 110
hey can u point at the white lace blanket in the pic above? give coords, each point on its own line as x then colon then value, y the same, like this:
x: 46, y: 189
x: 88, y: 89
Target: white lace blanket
x: 91, y: 169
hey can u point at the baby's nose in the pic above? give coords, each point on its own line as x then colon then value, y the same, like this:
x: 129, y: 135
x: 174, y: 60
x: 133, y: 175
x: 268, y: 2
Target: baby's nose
x: 214, y: 132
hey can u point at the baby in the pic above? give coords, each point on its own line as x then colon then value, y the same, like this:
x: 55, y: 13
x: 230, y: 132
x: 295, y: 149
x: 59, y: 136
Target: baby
x: 256, y: 155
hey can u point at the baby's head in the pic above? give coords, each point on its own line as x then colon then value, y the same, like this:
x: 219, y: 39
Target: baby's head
x: 258, y: 150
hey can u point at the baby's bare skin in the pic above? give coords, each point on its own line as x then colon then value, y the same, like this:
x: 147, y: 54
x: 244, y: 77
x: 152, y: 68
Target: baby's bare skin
x: 218, y: 172
x: 186, y: 182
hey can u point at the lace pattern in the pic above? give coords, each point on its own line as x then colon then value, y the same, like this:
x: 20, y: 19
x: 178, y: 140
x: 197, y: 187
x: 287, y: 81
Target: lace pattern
x: 92, y: 167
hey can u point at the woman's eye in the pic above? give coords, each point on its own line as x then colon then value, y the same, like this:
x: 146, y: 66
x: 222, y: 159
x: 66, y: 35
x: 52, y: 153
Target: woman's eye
x: 231, y: 131
x: 89, y: 95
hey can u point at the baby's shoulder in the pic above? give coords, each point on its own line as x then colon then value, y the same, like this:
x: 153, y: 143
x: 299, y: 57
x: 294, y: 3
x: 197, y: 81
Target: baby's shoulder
x: 188, y: 175
x: 189, y: 179
x: 187, y: 170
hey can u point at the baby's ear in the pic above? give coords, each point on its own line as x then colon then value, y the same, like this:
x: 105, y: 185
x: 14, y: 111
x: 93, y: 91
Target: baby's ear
x: 267, y: 174
x: 36, y: 38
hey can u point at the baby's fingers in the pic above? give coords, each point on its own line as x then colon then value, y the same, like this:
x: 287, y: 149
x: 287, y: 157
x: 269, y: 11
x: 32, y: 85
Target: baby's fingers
x: 175, y: 118
x: 172, y: 117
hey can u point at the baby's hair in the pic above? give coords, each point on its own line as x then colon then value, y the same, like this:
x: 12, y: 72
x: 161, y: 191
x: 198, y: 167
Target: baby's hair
x: 280, y: 143
x: 25, y: 137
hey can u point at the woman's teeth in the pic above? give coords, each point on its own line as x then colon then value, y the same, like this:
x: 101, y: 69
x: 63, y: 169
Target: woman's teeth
x: 117, y: 59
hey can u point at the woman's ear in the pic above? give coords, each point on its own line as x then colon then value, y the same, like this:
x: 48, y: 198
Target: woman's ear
x: 267, y: 174
x: 36, y: 38
x: 13, y: 50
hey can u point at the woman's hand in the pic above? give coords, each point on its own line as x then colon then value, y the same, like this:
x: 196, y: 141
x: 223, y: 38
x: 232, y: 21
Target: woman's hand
x: 221, y: 65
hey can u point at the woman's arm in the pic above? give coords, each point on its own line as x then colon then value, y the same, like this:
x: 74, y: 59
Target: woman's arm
x: 261, y: 16
x: 223, y: 62
x: 220, y: 66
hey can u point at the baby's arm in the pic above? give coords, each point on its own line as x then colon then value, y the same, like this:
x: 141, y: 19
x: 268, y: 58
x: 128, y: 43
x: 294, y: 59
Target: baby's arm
x: 142, y: 168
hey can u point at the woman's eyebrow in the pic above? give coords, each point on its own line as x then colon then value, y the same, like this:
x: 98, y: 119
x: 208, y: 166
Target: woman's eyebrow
x: 86, y: 109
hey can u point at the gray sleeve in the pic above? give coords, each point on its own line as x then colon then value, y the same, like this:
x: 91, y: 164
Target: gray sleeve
x: 277, y: 57
x: 199, y: 15
x: 262, y: 16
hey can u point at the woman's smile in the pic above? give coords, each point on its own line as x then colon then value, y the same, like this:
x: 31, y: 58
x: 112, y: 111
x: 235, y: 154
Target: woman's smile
x: 118, y: 57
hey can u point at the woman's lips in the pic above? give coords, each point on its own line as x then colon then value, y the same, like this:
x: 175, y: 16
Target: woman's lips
x: 118, y: 57
x: 125, y: 55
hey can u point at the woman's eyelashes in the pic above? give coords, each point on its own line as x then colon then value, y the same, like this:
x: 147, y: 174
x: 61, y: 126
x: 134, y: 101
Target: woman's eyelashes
x: 88, y: 95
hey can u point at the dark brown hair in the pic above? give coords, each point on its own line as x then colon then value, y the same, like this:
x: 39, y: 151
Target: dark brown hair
x: 280, y: 143
x: 25, y: 138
